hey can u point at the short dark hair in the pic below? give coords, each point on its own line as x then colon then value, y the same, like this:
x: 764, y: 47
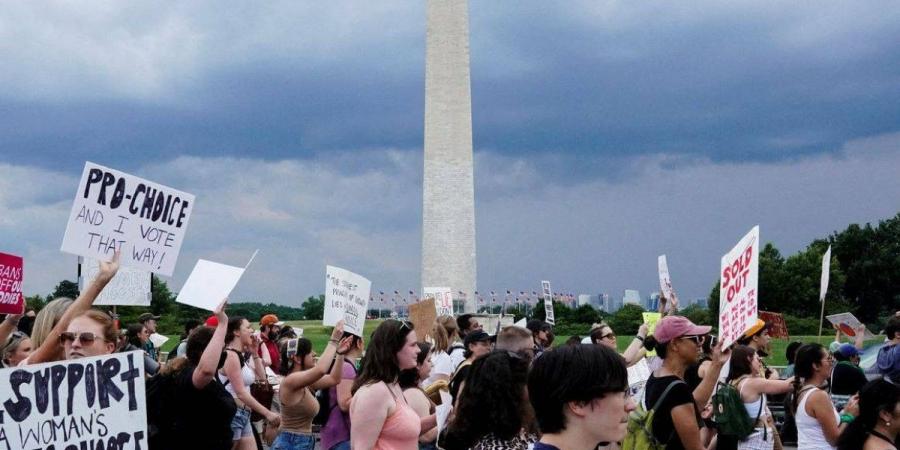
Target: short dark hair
x: 189, y: 325
x: 197, y: 342
x: 744, y: 340
x: 464, y: 322
x: 892, y: 328
x: 572, y: 373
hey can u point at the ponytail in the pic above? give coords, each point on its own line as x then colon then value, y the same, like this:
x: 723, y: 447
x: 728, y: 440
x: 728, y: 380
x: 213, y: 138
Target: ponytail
x: 874, y: 397
x: 651, y: 344
x: 808, y: 355
x: 795, y: 397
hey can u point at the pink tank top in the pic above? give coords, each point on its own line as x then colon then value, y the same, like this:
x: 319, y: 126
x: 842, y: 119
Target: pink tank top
x: 401, y: 429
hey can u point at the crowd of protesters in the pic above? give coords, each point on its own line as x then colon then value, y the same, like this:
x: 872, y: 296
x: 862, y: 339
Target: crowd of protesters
x: 454, y: 385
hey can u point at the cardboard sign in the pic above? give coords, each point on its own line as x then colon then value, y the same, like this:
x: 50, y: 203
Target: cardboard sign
x: 210, y: 283
x: 826, y: 272
x: 665, y: 281
x: 422, y: 315
x: 738, y: 288
x: 548, y: 302
x: 130, y: 287
x: 848, y: 324
x: 346, y: 297
x: 86, y: 403
x: 443, y: 299
x: 650, y: 318
x: 117, y: 211
x: 11, y: 299
x: 777, y: 326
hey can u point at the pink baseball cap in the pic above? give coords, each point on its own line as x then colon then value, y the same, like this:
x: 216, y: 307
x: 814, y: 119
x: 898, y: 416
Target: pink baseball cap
x: 671, y: 327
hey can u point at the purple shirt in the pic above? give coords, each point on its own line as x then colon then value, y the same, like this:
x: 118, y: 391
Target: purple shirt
x: 337, y: 429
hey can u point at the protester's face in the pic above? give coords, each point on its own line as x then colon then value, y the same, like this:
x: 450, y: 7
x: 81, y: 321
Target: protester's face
x: 151, y: 325
x: 406, y: 357
x: 608, y: 338
x: 20, y: 353
x: 826, y: 362
x: 474, y: 325
x: 607, y: 417
x: 689, y: 347
x: 245, y: 334
x: 755, y: 364
x: 543, y: 337
x: 310, y: 359
x: 144, y: 335
x: 425, y: 368
x: 480, y: 348
x: 763, y: 340
x: 88, y: 339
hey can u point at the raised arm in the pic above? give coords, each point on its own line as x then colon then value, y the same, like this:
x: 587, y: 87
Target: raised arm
x: 232, y: 370
x: 209, y: 360
x: 635, y: 350
x: 310, y: 376
x: 49, y: 349
x: 9, y: 324
x: 860, y: 337
x: 705, y: 389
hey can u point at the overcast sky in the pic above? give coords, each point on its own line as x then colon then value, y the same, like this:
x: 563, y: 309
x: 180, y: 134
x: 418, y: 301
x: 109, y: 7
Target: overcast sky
x: 605, y: 133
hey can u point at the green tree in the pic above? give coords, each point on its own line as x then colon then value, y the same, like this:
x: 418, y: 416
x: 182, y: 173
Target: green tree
x: 698, y: 315
x: 627, y: 319
x: 35, y: 301
x: 64, y: 288
x: 313, y: 308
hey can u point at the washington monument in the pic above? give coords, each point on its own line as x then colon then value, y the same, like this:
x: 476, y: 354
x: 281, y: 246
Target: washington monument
x: 448, y: 212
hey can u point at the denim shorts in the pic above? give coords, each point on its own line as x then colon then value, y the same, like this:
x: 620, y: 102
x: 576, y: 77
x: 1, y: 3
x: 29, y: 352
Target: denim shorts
x: 240, y: 424
x: 341, y: 446
x: 294, y: 441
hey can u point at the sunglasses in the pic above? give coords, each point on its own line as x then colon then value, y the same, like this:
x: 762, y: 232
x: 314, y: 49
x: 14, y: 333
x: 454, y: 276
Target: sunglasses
x: 86, y: 338
x: 608, y: 336
x: 697, y: 339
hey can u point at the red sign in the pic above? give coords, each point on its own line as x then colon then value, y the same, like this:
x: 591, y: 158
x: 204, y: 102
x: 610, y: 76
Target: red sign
x: 11, y: 299
x: 777, y: 327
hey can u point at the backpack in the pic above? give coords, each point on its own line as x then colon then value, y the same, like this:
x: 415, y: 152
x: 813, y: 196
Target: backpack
x: 729, y: 412
x: 323, y: 396
x: 639, y: 435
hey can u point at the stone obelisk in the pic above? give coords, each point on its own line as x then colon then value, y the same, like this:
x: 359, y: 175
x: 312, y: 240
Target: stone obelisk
x: 448, y: 212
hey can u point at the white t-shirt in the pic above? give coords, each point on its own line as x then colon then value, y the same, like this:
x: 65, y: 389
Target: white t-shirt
x: 441, y: 364
x: 457, y: 356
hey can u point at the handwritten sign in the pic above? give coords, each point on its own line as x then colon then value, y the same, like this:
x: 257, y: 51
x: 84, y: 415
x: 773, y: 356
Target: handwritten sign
x: 665, y: 281
x: 11, y: 299
x: 777, y: 325
x: 443, y: 299
x: 346, y: 297
x: 548, y: 302
x: 130, y: 287
x: 86, y: 403
x: 826, y: 272
x: 117, y: 211
x: 210, y: 283
x: 848, y: 324
x: 738, y: 288
x: 422, y: 315
x: 638, y: 374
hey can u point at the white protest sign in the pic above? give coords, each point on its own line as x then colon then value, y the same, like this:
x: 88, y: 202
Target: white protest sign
x: 638, y: 374
x: 848, y: 324
x: 738, y: 288
x: 117, y: 211
x: 346, y: 297
x: 86, y: 403
x: 826, y: 272
x: 665, y: 281
x: 522, y: 323
x: 210, y: 283
x: 158, y: 340
x: 130, y: 287
x: 443, y: 299
x: 548, y: 302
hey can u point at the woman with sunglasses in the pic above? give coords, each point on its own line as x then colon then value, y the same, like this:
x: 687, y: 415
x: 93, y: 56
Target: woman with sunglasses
x: 302, y: 376
x: 56, y: 317
x: 238, y: 374
x: 603, y: 334
x: 677, y: 420
x: 15, y: 350
x: 93, y: 333
x: 136, y: 336
x: 818, y: 423
x: 380, y: 417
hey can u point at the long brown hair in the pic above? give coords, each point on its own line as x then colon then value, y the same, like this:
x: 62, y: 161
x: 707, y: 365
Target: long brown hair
x: 380, y: 361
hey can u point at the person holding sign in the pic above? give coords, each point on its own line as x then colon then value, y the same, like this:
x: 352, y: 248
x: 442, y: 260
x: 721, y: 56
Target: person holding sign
x: 302, y: 376
x: 238, y: 375
x: 603, y: 334
x: 93, y: 333
x: 380, y: 417
x: 677, y: 421
x: 57, y: 315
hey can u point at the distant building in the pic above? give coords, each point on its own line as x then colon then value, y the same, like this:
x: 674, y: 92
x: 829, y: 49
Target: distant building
x: 632, y: 296
x: 584, y: 299
x: 701, y: 302
x: 652, y: 303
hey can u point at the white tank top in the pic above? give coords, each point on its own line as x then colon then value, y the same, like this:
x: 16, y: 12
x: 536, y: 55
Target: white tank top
x: 809, y: 432
x: 757, y: 407
x: 247, y: 374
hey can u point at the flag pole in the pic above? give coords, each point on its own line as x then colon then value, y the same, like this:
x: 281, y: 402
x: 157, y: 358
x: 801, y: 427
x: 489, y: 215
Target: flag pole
x: 821, y: 317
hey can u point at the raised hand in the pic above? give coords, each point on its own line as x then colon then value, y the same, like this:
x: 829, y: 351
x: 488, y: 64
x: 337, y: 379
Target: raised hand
x: 344, y: 345
x: 220, y: 312
x: 108, y: 269
x: 338, y: 330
